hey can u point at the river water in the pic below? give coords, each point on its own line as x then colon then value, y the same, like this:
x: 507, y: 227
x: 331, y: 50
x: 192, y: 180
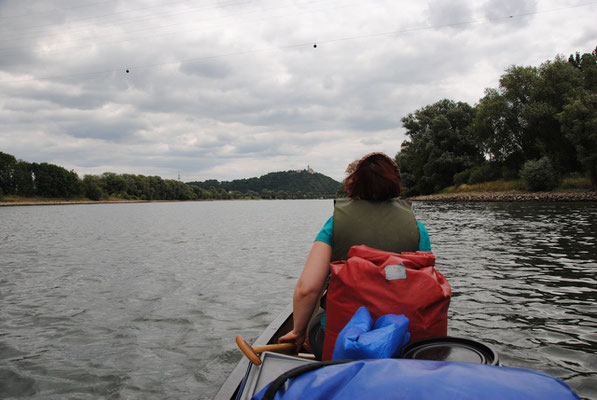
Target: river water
x: 137, y: 301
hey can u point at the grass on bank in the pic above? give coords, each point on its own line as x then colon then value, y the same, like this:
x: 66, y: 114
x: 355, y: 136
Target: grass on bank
x: 573, y: 183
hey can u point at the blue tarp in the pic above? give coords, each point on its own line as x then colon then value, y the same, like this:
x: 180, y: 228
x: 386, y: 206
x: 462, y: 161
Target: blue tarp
x: 421, y: 380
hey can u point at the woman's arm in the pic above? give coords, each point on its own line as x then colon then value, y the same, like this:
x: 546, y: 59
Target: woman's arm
x: 308, y: 288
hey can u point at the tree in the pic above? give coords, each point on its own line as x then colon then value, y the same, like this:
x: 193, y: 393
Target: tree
x: 440, y: 146
x: 578, y: 117
x: 23, y: 179
x: 559, y: 81
x: 579, y: 124
x: 91, y: 187
x: 518, y: 121
x: 500, y: 123
x: 7, y: 173
x: 53, y: 181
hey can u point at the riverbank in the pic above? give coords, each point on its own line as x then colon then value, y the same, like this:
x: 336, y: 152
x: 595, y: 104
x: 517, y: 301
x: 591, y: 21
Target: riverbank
x: 513, y: 195
x: 49, y: 202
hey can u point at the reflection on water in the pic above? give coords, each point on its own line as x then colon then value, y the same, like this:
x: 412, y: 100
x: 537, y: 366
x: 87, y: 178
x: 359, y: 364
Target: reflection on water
x: 143, y: 301
x: 524, y: 280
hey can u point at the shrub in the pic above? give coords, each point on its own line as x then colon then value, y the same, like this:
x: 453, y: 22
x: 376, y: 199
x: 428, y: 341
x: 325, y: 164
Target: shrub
x: 483, y: 173
x: 462, y: 177
x: 539, y: 175
x: 510, y: 174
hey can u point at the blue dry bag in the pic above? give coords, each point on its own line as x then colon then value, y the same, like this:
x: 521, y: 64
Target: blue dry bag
x: 403, y: 379
x: 362, y: 339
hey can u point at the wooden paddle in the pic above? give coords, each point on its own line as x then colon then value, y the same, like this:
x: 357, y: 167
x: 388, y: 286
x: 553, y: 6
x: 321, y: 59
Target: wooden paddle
x: 251, y: 352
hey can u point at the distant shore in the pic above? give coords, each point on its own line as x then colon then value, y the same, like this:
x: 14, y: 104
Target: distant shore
x: 29, y: 202
x: 510, y: 196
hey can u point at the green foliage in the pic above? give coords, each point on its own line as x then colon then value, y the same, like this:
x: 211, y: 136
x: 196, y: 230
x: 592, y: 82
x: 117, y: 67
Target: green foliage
x: 462, y: 177
x: 483, y: 173
x: 275, y: 185
x: 579, y: 116
x: 50, y: 180
x: 509, y: 173
x: 25, y: 179
x: 440, y: 146
x: 7, y: 173
x: 536, y: 112
x: 518, y: 121
x: 140, y: 187
x: 92, y: 187
x: 539, y: 175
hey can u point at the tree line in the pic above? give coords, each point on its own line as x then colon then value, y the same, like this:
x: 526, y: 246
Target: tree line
x: 539, y: 124
x: 27, y: 179
x: 292, y: 184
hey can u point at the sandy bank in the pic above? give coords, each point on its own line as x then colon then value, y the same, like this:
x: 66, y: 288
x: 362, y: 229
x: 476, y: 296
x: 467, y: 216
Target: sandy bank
x: 510, y: 196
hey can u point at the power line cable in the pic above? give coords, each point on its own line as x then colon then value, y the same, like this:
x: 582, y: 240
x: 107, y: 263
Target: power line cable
x: 9, y: 50
x: 304, y: 44
x: 108, y: 15
x: 29, y: 14
x: 231, y: 3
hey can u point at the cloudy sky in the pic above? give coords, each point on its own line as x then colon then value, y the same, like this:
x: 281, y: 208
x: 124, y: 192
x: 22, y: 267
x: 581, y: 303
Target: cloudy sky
x: 227, y: 89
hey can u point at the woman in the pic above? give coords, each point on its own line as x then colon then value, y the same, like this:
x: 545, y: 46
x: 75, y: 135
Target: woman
x: 372, y: 215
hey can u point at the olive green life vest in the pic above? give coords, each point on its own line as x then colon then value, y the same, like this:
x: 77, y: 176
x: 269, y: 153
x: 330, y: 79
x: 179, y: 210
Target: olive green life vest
x: 385, y: 225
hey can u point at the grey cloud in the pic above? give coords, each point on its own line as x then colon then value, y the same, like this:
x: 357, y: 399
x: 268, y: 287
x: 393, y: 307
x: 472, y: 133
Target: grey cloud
x: 110, y: 131
x: 495, y: 9
x: 442, y: 13
x: 213, y: 69
x: 243, y: 89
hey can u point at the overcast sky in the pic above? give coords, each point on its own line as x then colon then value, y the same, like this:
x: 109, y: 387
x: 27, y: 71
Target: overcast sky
x: 234, y: 89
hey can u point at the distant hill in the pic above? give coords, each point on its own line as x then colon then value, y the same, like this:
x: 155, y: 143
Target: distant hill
x: 294, y: 184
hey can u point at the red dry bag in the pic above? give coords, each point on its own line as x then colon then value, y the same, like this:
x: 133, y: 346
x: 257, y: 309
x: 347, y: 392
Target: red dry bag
x: 387, y: 283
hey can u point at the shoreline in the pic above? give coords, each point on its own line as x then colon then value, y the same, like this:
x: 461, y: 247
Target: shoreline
x: 68, y: 202
x: 511, y: 196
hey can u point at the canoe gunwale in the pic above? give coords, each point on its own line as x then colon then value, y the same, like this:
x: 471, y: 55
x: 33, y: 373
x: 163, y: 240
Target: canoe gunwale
x: 280, y: 325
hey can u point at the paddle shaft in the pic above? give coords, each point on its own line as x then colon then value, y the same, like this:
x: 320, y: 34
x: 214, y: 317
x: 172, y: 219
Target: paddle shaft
x: 274, y: 347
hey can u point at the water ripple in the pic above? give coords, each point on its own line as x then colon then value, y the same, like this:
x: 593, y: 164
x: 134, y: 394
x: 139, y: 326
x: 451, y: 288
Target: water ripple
x: 143, y: 301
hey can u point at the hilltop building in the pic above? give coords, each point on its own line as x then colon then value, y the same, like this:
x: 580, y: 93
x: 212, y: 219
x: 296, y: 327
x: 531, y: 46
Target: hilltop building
x: 308, y: 170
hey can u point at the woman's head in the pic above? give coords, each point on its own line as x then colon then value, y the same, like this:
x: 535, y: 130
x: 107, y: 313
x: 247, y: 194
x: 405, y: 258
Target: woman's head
x: 374, y: 177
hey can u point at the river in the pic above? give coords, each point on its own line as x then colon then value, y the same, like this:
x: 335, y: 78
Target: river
x: 137, y: 301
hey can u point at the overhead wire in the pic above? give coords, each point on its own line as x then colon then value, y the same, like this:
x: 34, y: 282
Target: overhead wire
x: 71, y: 7
x: 21, y: 31
x: 302, y: 44
x: 98, y: 17
x: 8, y: 50
x: 81, y: 28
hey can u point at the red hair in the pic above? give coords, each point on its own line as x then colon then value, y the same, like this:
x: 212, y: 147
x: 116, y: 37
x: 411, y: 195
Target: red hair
x: 374, y: 177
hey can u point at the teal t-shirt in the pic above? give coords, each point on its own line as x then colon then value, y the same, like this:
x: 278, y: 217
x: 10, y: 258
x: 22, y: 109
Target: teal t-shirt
x: 325, y: 235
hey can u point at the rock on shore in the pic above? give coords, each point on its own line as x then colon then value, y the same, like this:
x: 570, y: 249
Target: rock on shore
x: 510, y: 196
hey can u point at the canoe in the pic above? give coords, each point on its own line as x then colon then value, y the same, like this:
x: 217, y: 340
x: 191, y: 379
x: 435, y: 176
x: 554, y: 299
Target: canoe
x: 279, y: 326
x: 467, y: 350
x: 468, y: 354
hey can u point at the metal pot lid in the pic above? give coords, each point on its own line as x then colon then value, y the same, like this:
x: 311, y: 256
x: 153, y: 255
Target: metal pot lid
x: 447, y: 348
